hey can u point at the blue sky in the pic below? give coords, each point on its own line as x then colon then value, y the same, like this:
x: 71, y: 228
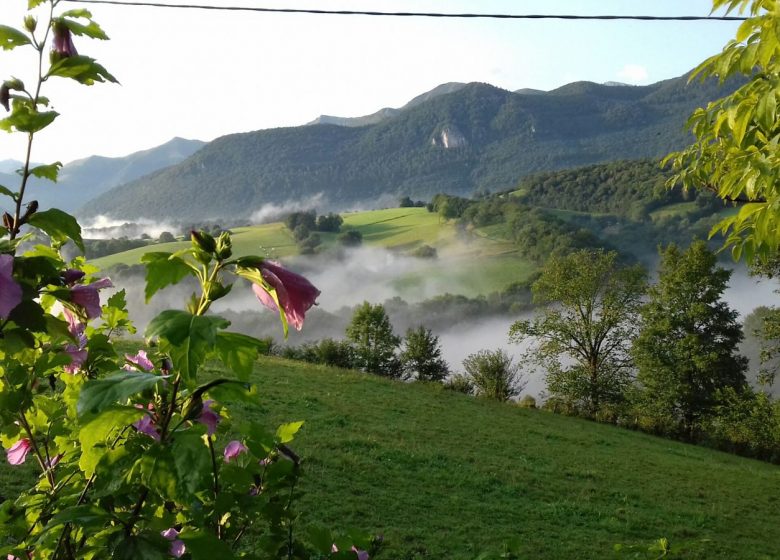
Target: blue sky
x: 199, y: 74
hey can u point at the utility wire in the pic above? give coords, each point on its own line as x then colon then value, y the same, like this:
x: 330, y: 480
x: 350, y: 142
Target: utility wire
x: 408, y: 14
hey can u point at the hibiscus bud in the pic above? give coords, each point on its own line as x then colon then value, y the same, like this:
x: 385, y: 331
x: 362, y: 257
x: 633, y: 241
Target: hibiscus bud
x: 203, y: 241
x: 63, y: 41
x: 5, y: 96
x: 30, y: 23
x: 224, y: 246
x: 8, y: 221
x: 32, y: 208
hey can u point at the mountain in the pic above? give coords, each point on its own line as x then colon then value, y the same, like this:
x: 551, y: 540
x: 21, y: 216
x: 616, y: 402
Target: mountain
x: 475, y: 138
x: 83, y: 179
x: 387, y: 112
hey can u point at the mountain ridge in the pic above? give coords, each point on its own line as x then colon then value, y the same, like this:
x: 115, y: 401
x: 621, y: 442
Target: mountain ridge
x: 474, y: 138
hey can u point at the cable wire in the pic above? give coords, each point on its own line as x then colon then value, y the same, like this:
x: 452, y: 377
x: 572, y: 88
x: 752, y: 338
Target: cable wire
x: 408, y: 14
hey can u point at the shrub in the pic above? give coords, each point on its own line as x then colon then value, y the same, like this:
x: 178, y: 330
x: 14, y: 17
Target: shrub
x: 494, y: 375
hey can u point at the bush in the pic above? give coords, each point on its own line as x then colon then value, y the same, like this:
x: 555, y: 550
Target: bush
x: 527, y: 402
x: 351, y: 238
x: 460, y: 383
x: 425, y: 252
x: 494, y: 375
x: 331, y: 222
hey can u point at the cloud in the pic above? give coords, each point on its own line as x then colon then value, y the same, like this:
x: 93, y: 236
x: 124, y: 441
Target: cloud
x: 633, y: 73
x: 271, y: 212
x: 106, y: 227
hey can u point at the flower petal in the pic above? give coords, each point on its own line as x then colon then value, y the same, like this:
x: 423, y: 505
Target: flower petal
x: 233, y: 450
x: 10, y: 291
x: 17, y: 453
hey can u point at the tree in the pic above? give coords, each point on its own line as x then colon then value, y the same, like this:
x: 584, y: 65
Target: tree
x: 735, y: 153
x: 375, y: 344
x: 583, y: 335
x: 351, y: 238
x: 686, y: 350
x: 421, y: 356
x: 166, y: 237
x: 494, y: 375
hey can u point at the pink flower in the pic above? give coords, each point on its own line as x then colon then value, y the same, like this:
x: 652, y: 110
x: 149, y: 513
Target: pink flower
x: 88, y: 297
x: 295, y: 293
x: 51, y: 463
x: 177, y: 549
x: 63, y: 41
x: 72, y: 275
x: 146, y: 424
x: 209, y: 418
x: 78, y: 353
x: 10, y: 291
x: 233, y: 450
x: 361, y: 554
x: 17, y: 453
x: 140, y: 359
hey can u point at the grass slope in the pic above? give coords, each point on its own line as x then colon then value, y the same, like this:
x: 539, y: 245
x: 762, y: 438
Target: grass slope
x: 443, y: 475
x: 479, y: 264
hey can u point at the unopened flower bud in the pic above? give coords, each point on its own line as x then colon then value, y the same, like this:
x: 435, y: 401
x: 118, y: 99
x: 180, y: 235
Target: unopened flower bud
x: 8, y: 221
x: 30, y: 23
x: 224, y: 246
x: 203, y: 240
x: 5, y: 96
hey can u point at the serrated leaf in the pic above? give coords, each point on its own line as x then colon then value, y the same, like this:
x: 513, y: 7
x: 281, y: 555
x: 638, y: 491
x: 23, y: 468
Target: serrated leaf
x: 239, y: 352
x: 33, y: 3
x: 286, y: 432
x: 50, y: 172
x: 25, y: 119
x: 7, y: 192
x: 91, y: 29
x: 100, y: 394
x: 84, y: 516
x: 192, y: 337
x: 83, y: 69
x: 162, y: 270
x: 59, y: 225
x: 192, y: 460
x: 10, y: 38
x: 96, y: 430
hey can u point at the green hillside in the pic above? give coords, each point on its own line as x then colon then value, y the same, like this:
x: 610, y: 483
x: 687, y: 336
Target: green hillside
x: 442, y: 475
x: 477, y: 137
x: 479, y: 264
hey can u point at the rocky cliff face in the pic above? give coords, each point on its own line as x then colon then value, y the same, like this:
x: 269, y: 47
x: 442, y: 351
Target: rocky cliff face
x: 449, y: 137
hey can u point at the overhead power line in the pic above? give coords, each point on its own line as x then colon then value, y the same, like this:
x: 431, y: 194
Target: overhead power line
x: 408, y: 14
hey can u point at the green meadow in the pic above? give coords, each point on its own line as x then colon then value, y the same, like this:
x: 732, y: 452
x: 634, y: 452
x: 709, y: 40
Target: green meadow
x: 444, y: 476
x: 474, y: 262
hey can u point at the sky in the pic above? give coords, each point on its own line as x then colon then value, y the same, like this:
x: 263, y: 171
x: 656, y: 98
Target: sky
x: 203, y: 74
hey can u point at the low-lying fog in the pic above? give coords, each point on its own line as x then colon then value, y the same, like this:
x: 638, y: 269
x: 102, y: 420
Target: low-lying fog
x: 381, y: 276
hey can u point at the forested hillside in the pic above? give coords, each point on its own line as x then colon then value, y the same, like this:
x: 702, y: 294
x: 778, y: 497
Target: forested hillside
x: 476, y: 138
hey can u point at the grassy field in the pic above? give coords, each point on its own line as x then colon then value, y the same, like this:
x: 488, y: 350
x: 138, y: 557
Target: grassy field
x: 477, y: 262
x: 444, y: 476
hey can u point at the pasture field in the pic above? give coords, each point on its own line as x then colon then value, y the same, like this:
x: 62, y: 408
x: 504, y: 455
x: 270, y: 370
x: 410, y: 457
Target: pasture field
x: 443, y: 475
x: 475, y: 262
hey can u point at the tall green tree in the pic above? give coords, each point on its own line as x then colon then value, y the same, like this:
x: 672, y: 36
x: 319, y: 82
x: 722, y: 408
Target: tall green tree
x: 374, y: 342
x: 582, y: 336
x: 686, y: 351
x: 421, y: 356
x: 735, y: 153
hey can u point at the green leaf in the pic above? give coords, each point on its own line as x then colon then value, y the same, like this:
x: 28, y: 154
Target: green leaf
x: 91, y: 29
x: 26, y: 119
x: 239, y: 352
x: 10, y: 38
x: 204, y: 546
x: 60, y: 226
x: 100, y: 394
x: 85, y: 516
x: 163, y: 269
x: 33, y: 3
x: 96, y: 430
x: 191, y: 337
x: 49, y: 172
x: 83, y: 69
x: 7, y: 192
x: 286, y: 432
x: 192, y: 461
x: 158, y: 471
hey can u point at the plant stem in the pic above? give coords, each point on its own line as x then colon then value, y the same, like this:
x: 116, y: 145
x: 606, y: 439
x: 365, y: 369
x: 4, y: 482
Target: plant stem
x: 215, y: 471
